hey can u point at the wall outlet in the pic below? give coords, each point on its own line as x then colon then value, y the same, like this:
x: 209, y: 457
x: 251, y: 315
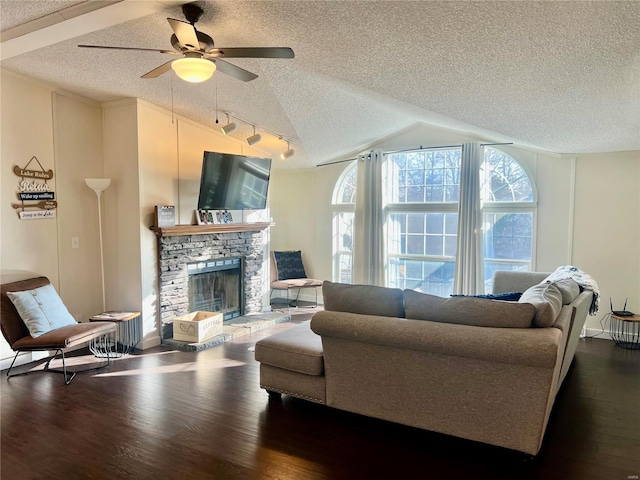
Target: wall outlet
x: 75, y: 242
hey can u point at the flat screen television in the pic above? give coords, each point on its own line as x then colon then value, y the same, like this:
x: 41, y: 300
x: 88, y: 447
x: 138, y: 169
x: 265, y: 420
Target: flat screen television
x: 233, y: 182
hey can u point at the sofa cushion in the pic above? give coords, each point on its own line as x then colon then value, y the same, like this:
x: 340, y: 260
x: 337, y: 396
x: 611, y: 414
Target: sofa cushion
x: 547, y: 300
x: 569, y: 289
x: 468, y: 310
x: 297, y: 349
x: 363, y: 299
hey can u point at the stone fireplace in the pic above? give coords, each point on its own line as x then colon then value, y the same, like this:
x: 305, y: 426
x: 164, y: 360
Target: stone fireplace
x: 222, y: 263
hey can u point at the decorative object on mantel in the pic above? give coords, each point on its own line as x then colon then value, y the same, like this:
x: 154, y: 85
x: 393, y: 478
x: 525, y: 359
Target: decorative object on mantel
x: 179, y: 230
x: 99, y: 185
x: 165, y: 216
x: 35, y: 192
x: 213, y: 217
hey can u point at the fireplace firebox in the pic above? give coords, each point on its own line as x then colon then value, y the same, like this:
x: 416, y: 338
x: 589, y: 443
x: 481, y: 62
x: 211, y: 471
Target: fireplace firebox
x: 216, y: 286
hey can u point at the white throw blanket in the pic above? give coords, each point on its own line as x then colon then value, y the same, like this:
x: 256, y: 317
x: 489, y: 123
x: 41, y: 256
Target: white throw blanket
x: 583, y: 279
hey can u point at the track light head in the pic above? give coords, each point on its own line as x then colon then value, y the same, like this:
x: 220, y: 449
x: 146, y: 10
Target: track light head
x: 255, y: 138
x: 228, y: 128
x: 288, y: 153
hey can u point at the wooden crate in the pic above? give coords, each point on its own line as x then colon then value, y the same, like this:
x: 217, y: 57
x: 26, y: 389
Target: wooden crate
x: 196, y: 327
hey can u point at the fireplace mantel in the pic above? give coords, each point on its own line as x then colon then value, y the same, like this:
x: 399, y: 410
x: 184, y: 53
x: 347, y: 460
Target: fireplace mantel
x: 206, y: 229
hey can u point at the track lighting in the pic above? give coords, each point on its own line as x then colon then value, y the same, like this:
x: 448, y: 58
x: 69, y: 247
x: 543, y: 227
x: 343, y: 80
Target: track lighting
x: 288, y: 153
x: 194, y: 70
x: 229, y: 127
x: 255, y: 138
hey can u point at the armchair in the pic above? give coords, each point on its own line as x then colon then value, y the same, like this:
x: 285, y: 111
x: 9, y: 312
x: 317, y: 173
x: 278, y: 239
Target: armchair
x: 288, y: 272
x: 18, y: 336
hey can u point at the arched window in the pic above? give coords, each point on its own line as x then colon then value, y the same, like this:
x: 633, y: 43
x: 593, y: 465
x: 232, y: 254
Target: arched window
x: 344, y: 205
x: 422, y: 190
x: 509, y: 205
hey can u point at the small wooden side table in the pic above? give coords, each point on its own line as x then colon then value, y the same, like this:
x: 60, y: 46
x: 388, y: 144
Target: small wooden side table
x: 125, y: 338
x: 625, y: 331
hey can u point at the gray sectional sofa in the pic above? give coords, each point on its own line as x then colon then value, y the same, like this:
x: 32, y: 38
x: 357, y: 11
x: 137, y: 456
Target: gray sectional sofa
x: 479, y: 369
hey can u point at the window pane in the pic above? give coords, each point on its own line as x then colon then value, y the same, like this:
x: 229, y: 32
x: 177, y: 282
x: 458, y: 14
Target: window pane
x: 508, y: 236
x: 503, y: 179
x: 415, y: 222
x: 433, y: 277
x: 347, y: 186
x: 435, y: 222
x: 429, y: 176
x: 415, y: 245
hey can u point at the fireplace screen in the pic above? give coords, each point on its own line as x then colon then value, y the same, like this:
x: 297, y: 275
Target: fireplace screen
x: 216, y: 286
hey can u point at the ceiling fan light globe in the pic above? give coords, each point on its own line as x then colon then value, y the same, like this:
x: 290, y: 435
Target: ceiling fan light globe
x: 194, y: 70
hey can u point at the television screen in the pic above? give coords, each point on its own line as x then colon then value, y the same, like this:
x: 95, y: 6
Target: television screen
x: 233, y: 182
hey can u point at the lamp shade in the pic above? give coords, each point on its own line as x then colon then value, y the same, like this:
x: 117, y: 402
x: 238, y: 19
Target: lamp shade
x: 194, y: 70
x: 98, y: 184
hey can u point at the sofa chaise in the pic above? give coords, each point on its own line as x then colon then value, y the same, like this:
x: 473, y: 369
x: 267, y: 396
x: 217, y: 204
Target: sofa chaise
x: 484, y: 370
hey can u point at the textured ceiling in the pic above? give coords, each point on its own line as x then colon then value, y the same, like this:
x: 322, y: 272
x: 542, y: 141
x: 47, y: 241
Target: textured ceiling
x: 561, y: 76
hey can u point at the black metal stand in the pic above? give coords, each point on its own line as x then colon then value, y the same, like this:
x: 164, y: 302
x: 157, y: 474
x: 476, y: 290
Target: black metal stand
x: 68, y: 374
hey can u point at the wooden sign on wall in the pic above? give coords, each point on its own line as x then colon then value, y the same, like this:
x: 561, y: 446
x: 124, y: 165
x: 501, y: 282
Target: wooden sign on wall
x: 35, y: 195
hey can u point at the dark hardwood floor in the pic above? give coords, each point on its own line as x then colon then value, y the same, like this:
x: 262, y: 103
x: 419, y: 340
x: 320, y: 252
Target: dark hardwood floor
x: 164, y: 414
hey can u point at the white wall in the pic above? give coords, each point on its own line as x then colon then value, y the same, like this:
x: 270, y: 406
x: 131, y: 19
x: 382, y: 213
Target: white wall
x: 65, y: 133
x: 583, y: 202
x: 606, y: 241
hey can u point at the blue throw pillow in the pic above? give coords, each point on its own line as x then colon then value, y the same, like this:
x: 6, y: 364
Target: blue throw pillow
x: 507, y: 296
x: 41, y: 310
x: 289, y: 265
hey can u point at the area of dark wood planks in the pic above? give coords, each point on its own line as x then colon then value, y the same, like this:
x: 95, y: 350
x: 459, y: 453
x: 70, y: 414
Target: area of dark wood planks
x: 201, y: 415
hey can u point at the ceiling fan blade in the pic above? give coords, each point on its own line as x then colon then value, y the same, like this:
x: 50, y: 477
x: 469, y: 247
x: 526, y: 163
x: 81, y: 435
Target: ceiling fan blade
x: 234, y: 71
x: 255, y: 52
x: 156, y: 72
x: 185, y: 32
x: 171, y: 52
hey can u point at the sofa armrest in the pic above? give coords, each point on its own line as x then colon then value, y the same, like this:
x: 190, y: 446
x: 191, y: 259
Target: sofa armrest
x: 536, y: 347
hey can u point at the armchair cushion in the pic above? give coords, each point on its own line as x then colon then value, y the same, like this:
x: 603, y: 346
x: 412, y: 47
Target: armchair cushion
x: 41, y: 309
x: 289, y: 265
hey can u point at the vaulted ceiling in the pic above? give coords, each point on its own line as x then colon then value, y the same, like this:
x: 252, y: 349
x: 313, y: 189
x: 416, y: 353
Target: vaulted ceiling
x: 561, y: 76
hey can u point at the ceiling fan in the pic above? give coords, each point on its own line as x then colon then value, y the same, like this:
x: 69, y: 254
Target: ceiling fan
x: 199, y: 56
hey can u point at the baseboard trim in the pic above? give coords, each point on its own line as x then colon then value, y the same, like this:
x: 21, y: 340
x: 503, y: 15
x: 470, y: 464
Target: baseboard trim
x: 596, y: 333
x: 148, y: 343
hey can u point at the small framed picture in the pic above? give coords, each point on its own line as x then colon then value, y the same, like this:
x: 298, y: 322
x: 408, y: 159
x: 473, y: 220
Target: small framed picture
x: 201, y: 217
x: 221, y: 217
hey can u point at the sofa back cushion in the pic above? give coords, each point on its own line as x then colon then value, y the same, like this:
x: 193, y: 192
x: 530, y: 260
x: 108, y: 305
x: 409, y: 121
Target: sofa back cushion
x: 547, y: 300
x: 363, y: 299
x: 479, y: 312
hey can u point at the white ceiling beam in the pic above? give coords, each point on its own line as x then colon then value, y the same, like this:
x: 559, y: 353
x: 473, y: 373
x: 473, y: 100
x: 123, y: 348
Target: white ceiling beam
x: 75, y: 21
